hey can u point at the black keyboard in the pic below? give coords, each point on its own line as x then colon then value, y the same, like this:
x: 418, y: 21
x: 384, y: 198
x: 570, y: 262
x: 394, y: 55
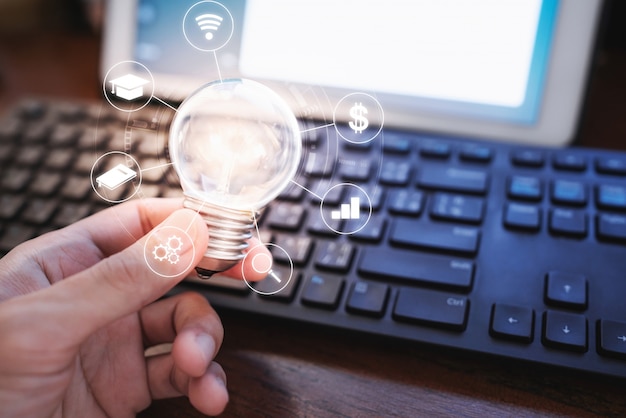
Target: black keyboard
x: 508, y: 250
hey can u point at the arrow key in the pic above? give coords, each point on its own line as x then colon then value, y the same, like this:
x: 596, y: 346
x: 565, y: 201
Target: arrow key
x: 512, y: 322
x: 564, y: 330
x: 566, y: 289
x: 612, y: 338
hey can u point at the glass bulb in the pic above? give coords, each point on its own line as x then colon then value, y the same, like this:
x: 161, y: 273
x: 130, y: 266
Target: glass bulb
x: 235, y: 145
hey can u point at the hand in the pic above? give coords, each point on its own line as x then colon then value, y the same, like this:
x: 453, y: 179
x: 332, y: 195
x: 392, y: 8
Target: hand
x: 77, y: 313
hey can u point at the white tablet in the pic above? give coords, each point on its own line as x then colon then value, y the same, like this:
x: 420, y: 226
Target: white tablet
x: 513, y: 70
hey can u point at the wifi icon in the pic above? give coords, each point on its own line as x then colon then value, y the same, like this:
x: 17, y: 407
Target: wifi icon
x: 209, y: 23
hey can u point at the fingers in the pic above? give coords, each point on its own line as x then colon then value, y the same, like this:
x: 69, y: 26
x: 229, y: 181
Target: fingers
x: 115, y: 228
x: 207, y: 393
x: 188, y: 370
x: 68, y: 312
x: 191, y: 323
x: 256, y: 264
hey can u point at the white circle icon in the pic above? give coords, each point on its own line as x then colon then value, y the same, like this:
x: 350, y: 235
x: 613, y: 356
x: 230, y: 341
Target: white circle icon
x: 349, y: 217
x: 358, y: 118
x: 208, y: 26
x: 116, y: 177
x: 128, y: 86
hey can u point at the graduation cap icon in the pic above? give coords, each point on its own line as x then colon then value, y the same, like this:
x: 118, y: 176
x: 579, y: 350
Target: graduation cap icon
x: 128, y: 86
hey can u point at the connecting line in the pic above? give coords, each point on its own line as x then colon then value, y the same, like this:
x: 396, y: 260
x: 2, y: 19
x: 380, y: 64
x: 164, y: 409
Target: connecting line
x: 165, y: 103
x: 217, y: 65
x: 305, y: 189
x: 317, y: 127
x: 156, y: 166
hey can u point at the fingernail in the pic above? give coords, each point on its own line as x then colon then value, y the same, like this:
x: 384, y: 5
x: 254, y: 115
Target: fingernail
x: 206, y: 344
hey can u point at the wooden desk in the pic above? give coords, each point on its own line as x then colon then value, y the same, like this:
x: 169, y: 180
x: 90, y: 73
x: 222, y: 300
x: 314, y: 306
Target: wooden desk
x: 277, y: 368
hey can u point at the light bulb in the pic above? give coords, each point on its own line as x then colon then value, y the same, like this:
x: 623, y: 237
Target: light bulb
x: 235, y: 145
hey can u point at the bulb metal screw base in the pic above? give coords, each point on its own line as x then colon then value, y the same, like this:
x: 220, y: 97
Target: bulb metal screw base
x: 229, y: 229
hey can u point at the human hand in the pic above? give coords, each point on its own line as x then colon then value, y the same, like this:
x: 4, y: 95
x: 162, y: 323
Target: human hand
x: 77, y: 313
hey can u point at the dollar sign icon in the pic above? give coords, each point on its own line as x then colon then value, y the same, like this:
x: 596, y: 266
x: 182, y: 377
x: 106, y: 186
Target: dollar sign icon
x: 360, y: 122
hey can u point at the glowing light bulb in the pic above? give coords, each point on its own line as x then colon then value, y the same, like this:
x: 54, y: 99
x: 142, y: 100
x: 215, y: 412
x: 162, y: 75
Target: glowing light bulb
x: 235, y: 145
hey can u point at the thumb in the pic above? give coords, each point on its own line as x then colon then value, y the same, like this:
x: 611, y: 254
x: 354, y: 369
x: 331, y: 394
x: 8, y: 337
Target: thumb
x: 123, y: 283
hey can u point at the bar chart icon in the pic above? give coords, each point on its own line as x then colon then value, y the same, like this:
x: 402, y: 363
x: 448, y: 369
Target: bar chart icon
x: 350, y: 210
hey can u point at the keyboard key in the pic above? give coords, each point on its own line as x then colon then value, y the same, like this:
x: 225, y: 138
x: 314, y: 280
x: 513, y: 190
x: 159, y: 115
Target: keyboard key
x: 435, y: 149
x: 36, y: 132
x: 613, y: 165
x: 406, y: 202
x: 269, y: 285
x: 355, y: 170
x: 565, y: 331
x: 76, y: 188
x: 430, y: 307
x: 45, y: 183
x: 70, y: 213
x: 319, y: 165
x: 293, y: 192
x: 453, y: 179
x: 59, y: 159
x: 322, y: 291
x: 15, y: 179
x: 375, y: 193
x: 15, y: 234
x: 64, y: 135
x: 32, y: 109
x: 457, y: 208
x: 611, y: 227
x: 298, y: 247
x: 408, y: 266
x: 333, y: 196
x: 372, y: 231
x: 525, y: 187
x: 335, y: 256
x: 527, y: 217
x: 396, y: 143
x: 39, y: 211
x: 528, y: 158
x: 567, y: 192
x: 286, y: 216
x: 6, y: 152
x: 611, y: 197
x: 325, y: 227
x: 476, y: 154
x: 395, y: 173
x: 440, y: 237
x: 569, y: 162
x: 569, y: 222
x: 512, y: 322
x: 368, y: 299
x: 95, y: 139
x: 10, y: 129
x: 612, y: 338
x: 10, y: 205
x: 566, y: 289
x: 30, y: 156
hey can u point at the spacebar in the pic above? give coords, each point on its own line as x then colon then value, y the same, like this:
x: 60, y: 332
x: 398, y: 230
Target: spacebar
x: 443, y: 237
x: 409, y: 267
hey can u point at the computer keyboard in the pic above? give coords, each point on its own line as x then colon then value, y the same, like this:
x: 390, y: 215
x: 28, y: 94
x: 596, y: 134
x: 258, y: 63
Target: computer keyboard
x: 489, y: 247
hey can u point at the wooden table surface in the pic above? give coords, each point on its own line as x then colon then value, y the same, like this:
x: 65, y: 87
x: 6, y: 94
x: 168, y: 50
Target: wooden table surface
x: 277, y: 368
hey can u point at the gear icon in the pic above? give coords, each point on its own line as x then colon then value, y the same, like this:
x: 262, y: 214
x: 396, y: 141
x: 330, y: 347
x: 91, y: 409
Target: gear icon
x: 160, y: 252
x: 173, y: 258
x: 174, y: 243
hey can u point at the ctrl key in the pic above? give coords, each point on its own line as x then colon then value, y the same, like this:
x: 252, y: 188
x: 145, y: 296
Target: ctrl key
x: 612, y: 338
x: 431, y: 308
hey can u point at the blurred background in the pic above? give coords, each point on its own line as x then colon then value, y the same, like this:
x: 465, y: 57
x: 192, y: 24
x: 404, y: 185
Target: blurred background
x: 41, y: 39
